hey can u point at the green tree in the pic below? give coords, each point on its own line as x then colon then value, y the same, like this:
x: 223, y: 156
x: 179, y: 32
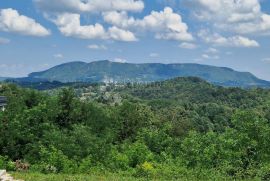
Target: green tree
x: 66, y: 104
x: 131, y: 118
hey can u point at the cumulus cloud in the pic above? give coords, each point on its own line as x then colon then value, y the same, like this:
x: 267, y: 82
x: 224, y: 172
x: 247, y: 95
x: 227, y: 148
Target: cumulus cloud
x: 261, y: 25
x: 165, y: 24
x: 78, y: 6
x: 4, y: 40
x: 97, y: 47
x: 241, y: 16
x: 186, y: 45
x: 12, y: 21
x: 120, y: 19
x: 120, y: 60
x: 233, y: 41
x: 116, y: 33
x: 70, y: 25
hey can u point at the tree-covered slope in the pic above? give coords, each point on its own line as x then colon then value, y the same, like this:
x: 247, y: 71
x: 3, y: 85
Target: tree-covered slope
x: 178, y: 129
x: 192, y: 90
x: 106, y: 71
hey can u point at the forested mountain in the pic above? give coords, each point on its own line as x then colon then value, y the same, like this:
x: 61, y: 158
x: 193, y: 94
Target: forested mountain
x: 106, y: 71
x: 192, y: 90
x: 178, y: 129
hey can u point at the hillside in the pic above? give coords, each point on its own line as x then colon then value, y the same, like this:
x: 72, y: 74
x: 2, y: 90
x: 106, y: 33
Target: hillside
x: 106, y: 71
x: 187, y: 90
x: 3, y: 79
x: 179, y: 129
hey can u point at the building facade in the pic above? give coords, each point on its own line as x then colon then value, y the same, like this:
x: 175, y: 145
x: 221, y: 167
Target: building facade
x: 3, y: 103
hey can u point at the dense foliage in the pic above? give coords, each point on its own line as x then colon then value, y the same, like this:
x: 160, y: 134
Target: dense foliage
x: 181, y: 128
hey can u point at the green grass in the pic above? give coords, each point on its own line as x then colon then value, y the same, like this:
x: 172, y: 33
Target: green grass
x: 109, y: 177
x: 64, y: 177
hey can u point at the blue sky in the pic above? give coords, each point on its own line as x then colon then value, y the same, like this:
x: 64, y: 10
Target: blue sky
x: 38, y: 34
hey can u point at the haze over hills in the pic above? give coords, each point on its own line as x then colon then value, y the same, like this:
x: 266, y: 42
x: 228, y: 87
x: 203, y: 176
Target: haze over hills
x: 3, y: 78
x: 107, y: 71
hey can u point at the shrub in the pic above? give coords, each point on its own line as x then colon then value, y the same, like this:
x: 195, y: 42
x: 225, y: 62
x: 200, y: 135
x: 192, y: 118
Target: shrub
x: 85, y: 165
x: 137, y: 153
x: 7, y: 164
x: 54, y: 161
x: 264, y: 172
x: 145, y: 170
x: 118, y: 161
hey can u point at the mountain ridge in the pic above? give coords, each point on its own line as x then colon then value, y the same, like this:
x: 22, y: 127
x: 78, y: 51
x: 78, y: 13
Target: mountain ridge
x: 108, y: 71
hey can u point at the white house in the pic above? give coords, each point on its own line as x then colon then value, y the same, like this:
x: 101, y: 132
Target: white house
x: 3, y: 103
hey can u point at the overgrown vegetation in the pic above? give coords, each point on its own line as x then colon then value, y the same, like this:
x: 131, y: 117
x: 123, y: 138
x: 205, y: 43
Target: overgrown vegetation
x: 177, y: 129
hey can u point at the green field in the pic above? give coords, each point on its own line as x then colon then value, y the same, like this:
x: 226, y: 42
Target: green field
x: 107, y: 177
x: 66, y: 177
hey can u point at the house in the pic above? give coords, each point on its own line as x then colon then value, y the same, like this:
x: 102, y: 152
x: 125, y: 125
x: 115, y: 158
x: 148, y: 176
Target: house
x: 3, y: 103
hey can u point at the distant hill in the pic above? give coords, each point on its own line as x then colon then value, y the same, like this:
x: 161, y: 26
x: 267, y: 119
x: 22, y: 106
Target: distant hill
x: 106, y: 71
x: 193, y: 90
x: 3, y: 79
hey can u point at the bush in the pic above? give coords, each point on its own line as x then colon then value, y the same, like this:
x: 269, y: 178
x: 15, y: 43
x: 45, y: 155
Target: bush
x: 264, y: 172
x: 7, y: 164
x: 145, y: 170
x: 137, y: 153
x: 54, y: 161
x: 85, y: 165
x: 118, y: 161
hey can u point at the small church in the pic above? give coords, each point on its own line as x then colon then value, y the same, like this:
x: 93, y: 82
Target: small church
x: 3, y: 103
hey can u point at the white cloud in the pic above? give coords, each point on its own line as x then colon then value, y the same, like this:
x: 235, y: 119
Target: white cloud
x: 70, y: 25
x: 233, y: 41
x: 211, y: 53
x: 186, y: 45
x: 120, y: 60
x: 262, y: 25
x: 207, y: 56
x: 153, y: 55
x: 4, y: 40
x: 97, y: 47
x: 240, y: 16
x: 120, y: 34
x: 92, y: 6
x: 239, y: 41
x: 120, y: 19
x: 59, y: 55
x: 12, y: 21
x: 212, y: 50
x: 165, y: 24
